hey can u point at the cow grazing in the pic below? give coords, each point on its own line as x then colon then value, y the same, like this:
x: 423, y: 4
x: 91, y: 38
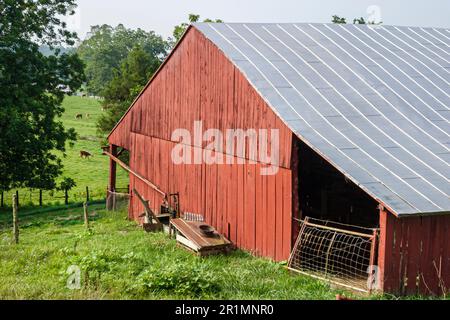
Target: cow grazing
x: 85, y: 154
x: 79, y: 116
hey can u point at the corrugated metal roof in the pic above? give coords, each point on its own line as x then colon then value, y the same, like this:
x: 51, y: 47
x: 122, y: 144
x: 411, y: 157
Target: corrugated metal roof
x: 373, y: 101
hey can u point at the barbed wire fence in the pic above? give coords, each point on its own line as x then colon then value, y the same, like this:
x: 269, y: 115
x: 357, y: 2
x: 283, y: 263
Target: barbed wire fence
x: 342, y: 254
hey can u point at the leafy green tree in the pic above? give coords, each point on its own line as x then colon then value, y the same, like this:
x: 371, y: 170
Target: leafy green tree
x: 181, y: 28
x: 106, y: 47
x: 127, y: 83
x: 32, y: 89
x: 66, y: 185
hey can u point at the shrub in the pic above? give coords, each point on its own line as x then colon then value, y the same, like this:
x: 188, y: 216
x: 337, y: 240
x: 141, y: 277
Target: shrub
x: 179, y: 278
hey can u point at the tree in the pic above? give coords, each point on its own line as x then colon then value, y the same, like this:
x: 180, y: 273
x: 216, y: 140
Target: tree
x: 66, y: 185
x: 181, y: 28
x: 32, y: 89
x: 127, y: 83
x: 361, y: 20
x: 106, y: 47
x: 338, y: 20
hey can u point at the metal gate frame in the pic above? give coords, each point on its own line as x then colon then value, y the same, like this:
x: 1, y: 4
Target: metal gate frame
x: 372, y: 236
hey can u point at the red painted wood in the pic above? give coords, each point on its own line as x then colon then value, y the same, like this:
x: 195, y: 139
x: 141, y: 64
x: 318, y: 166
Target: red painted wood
x: 265, y: 224
x: 412, y: 264
x: 287, y: 214
x: 199, y: 83
x: 279, y: 217
x: 259, y: 212
x: 250, y: 206
x: 409, y: 251
x: 385, y: 248
x: 271, y: 212
x: 241, y: 209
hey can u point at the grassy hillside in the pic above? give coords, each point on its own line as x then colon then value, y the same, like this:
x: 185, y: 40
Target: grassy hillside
x: 93, y: 172
x: 118, y: 260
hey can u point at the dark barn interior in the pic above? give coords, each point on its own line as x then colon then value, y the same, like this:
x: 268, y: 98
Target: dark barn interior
x: 325, y: 193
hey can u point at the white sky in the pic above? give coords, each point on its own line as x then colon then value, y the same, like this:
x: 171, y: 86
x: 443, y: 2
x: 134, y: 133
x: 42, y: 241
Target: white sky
x: 162, y: 15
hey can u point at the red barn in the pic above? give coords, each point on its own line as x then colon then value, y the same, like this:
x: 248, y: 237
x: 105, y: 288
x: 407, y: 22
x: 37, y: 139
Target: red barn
x: 361, y: 116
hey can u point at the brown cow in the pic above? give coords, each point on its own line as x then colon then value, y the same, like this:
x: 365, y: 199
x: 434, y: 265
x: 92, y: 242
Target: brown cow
x: 79, y: 116
x: 85, y: 154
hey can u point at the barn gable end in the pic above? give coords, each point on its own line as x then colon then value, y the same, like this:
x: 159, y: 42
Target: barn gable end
x: 197, y: 82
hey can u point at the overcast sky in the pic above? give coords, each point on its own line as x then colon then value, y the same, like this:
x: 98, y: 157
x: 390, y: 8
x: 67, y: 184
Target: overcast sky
x: 162, y: 15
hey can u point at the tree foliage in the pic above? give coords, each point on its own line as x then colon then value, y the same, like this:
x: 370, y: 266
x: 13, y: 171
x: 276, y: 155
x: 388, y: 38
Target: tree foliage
x: 32, y: 90
x: 66, y: 184
x: 181, y: 28
x: 127, y: 83
x: 360, y: 20
x: 131, y: 75
x: 340, y: 20
x: 106, y: 47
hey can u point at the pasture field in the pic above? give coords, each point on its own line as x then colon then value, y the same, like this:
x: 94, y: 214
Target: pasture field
x: 91, y: 172
x: 118, y: 260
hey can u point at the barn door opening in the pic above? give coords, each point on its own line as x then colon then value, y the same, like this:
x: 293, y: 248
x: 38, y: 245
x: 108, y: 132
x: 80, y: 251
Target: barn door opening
x: 335, y: 222
x: 322, y: 192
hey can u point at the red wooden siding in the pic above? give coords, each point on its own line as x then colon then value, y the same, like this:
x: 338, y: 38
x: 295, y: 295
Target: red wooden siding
x: 413, y: 252
x: 199, y: 83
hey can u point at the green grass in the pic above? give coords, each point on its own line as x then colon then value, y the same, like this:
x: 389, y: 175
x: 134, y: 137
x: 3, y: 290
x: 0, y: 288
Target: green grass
x: 120, y: 261
x: 93, y: 172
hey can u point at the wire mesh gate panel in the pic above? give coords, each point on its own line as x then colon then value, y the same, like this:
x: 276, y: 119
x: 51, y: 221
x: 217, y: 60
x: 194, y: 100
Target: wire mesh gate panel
x: 116, y: 201
x: 341, y: 254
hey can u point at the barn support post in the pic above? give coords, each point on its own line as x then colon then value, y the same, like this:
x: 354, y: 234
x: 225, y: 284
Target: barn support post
x: 386, y: 276
x: 112, y: 176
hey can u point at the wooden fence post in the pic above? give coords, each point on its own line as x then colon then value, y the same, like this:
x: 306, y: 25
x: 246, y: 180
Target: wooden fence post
x: 40, y: 198
x: 15, y: 219
x: 87, y: 194
x: 86, y: 215
x: 17, y: 197
x: 66, y: 197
